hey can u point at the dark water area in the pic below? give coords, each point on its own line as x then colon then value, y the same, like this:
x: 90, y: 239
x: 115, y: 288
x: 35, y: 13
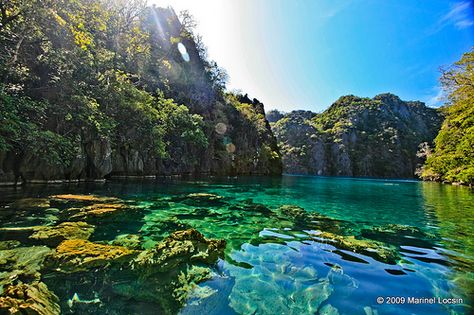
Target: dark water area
x: 295, y: 244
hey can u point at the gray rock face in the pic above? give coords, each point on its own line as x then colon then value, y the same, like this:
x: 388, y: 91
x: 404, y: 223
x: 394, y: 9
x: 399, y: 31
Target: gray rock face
x: 376, y: 137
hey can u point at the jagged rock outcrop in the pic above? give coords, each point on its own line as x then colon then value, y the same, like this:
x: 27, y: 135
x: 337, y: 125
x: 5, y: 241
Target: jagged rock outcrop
x: 356, y: 136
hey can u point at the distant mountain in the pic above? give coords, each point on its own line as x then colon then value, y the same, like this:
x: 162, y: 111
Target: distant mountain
x: 357, y: 136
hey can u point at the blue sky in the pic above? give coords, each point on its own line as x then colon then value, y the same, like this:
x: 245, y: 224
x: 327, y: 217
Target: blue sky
x: 305, y: 54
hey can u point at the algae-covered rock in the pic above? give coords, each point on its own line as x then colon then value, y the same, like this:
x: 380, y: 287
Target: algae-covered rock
x: 328, y: 309
x: 29, y: 203
x: 53, y: 235
x: 83, y: 198
x: 303, y: 219
x: 181, y: 246
x: 168, y: 289
x: 98, y: 210
x: 28, y: 299
x: 167, y: 273
x: 188, y: 281
x: 9, y: 244
x: 200, y: 199
x: 250, y: 206
x: 400, y: 235
x: 293, y: 212
x: 404, y: 230
x: 370, y: 248
x: 131, y: 241
x: 22, y: 263
x: 81, y: 255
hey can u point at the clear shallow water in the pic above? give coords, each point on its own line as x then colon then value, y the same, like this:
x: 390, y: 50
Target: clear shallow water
x: 280, y: 264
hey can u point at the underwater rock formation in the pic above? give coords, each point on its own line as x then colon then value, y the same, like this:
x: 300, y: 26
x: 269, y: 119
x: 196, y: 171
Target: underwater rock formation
x: 130, y: 241
x: 364, y: 246
x: 22, y: 263
x: 27, y: 203
x: 81, y: 255
x: 84, y: 198
x: 54, y: 235
x: 181, y: 246
x: 200, y: 199
x: 28, y: 299
x: 97, y: 211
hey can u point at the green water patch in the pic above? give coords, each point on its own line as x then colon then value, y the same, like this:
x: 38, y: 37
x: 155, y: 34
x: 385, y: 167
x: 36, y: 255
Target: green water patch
x: 287, y: 251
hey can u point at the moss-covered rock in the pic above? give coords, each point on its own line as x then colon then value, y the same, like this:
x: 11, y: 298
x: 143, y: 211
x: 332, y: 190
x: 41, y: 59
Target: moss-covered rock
x: 10, y: 244
x: 29, y: 203
x: 98, y: 210
x: 181, y: 246
x: 81, y: 255
x: 167, y: 273
x: 131, y: 241
x: 200, y: 199
x: 54, y: 235
x: 83, y: 198
x: 22, y: 263
x: 370, y: 248
x: 28, y: 299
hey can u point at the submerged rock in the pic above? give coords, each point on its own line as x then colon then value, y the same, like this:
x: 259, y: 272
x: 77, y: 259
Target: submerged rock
x: 23, y: 263
x: 294, y: 212
x: 20, y: 234
x: 401, y: 235
x: 98, y: 210
x: 9, y: 244
x: 370, y: 248
x: 200, y: 199
x: 187, y: 283
x: 28, y: 203
x: 81, y: 255
x: 83, y: 198
x: 250, y: 206
x: 54, y: 235
x: 328, y: 309
x: 181, y: 246
x: 131, y: 241
x: 167, y: 273
x: 303, y: 219
x: 31, y: 299
x: 404, y: 230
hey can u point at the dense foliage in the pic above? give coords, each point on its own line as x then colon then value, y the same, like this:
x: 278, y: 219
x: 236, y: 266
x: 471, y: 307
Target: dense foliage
x: 453, y: 156
x: 82, y: 76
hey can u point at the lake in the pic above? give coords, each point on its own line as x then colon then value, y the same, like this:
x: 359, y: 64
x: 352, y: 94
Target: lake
x: 295, y: 245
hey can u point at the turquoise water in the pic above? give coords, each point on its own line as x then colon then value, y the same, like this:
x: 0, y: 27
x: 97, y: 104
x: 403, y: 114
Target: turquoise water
x: 323, y: 260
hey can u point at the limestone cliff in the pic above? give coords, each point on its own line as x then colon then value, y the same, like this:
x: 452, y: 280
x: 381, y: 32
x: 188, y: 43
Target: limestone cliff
x: 356, y: 136
x: 99, y: 125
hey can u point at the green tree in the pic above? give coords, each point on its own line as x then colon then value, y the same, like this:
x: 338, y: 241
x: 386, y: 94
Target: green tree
x: 453, y: 156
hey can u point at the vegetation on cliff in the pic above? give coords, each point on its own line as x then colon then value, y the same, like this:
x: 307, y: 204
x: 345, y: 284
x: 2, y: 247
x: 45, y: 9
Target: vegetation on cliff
x: 452, y: 159
x: 357, y: 137
x: 94, y: 87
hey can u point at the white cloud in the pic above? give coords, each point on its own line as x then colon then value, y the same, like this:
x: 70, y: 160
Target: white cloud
x: 460, y: 15
x: 436, y: 98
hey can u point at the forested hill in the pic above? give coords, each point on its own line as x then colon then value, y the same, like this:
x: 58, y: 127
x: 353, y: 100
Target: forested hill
x: 357, y: 136
x: 95, y: 88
